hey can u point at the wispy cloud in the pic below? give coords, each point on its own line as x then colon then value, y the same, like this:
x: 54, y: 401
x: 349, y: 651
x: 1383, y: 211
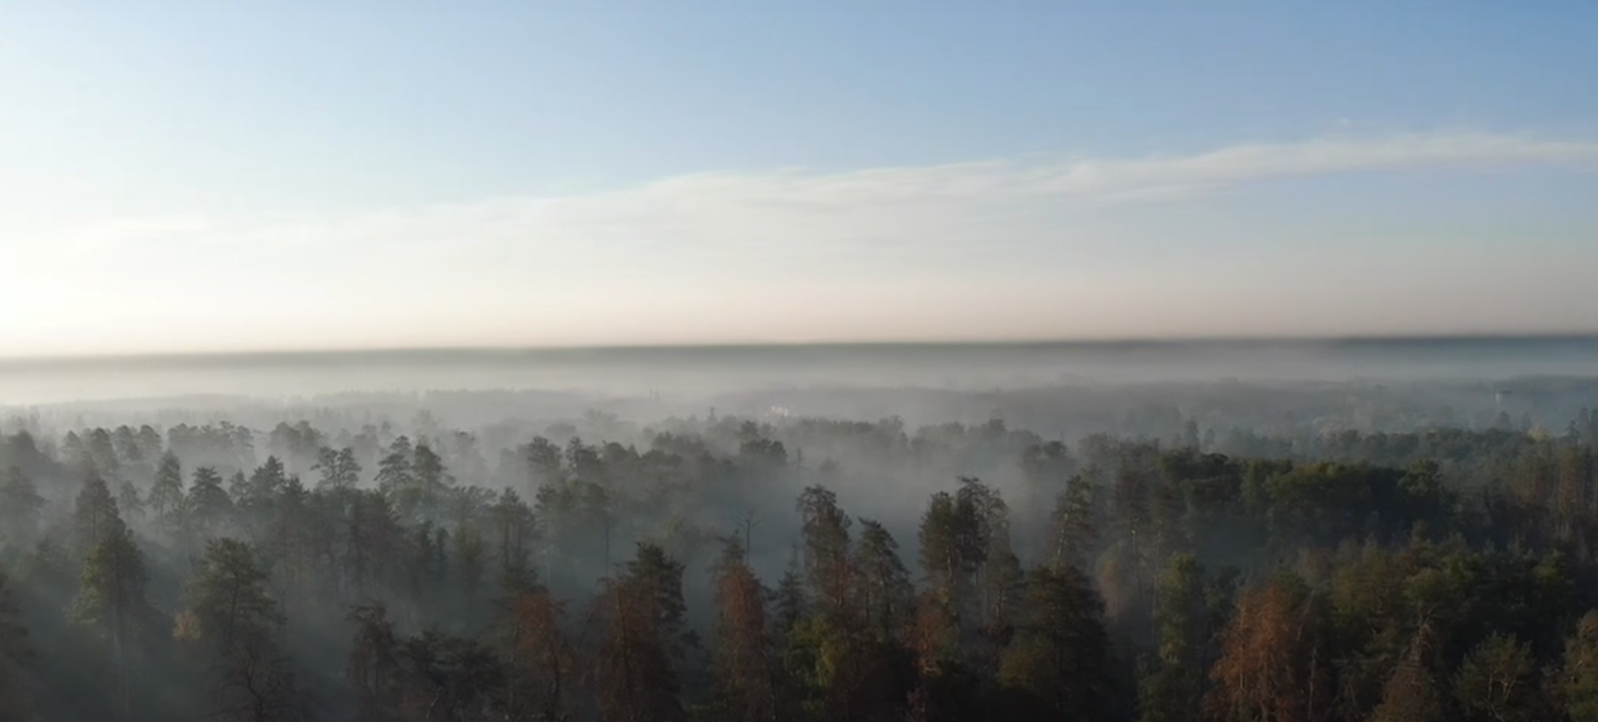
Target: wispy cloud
x: 796, y: 211
x: 1259, y: 162
x: 102, y: 235
x: 892, y: 209
x: 866, y: 248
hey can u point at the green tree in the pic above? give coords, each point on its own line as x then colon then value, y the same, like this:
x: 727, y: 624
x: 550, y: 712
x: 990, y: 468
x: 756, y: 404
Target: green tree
x: 513, y: 533
x: 1579, y: 679
x: 111, y: 601
x: 235, y: 624
x: 289, y: 538
x: 545, y: 463
x: 641, y: 616
x: 1047, y: 469
x: 371, y: 534
x: 166, y: 496
x: 966, y: 554
x: 94, y: 515
x: 129, y: 501
x: 446, y: 678
x: 395, y: 477
x: 826, y: 546
x: 207, y: 506
x: 1497, y: 681
x: 1057, y: 667
x: 372, y: 669
x: 1173, y: 682
x: 1074, y: 535
x: 884, y: 593
x: 1411, y: 695
x: 432, y: 479
x: 827, y: 652
x: 339, y: 469
x: 16, y: 655
x: 470, y: 564
x: 261, y: 488
x: 790, y: 601
x: 20, y: 505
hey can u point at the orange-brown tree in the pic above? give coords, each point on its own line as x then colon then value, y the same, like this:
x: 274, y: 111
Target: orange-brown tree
x: 1273, y: 665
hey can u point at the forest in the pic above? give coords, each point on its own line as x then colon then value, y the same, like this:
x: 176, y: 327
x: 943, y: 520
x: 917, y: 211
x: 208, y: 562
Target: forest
x: 797, y: 569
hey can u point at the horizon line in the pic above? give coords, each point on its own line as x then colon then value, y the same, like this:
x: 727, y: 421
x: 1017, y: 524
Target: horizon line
x: 563, y: 349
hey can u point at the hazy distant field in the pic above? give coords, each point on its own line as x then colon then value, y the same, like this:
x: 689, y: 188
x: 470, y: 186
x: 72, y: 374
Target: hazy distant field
x: 688, y: 373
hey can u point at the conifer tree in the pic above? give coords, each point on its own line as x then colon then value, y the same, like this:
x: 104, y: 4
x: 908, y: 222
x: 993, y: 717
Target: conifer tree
x: 16, y: 655
x: 1057, y: 667
x: 234, y: 625
x: 20, y: 504
x: 745, y: 670
x: 166, y: 496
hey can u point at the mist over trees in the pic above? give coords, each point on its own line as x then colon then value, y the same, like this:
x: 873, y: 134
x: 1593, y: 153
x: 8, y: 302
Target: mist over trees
x: 1354, y: 553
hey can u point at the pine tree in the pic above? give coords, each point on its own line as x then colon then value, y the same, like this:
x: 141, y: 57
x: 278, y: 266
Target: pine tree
x: 1411, y: 695
x: 1074, y: 535
x: 1497, y: 681
x: 372, y: 669
x: 16, y: 655
x: 207, y: 506
x: 449, y: 678
x: 1057, y: 667
x: 111, y: 600
x: 790, y: 603
x: 394, y: 476
x: 102, y: 454
x: 513, y: 529
x: 885, y: 603
x: 641, y: 613
x: 20, y: 505
x: 266, y: 481
x: 944, y: 686
x: 129, y: 501
x: 339, y: 469
x: 1047, y: 470
x: 827, y: 651
x: 94, y: 516
x: 166, y: 496
x: 658, y: 576
x: 943, y: 558
x: 1579, y: 678
x: 826, y: 552
x: 884, y: 593
x: 238, y: 488
x: 470, y: 564
x: 966, y: 554
x: 432, y: 480
x: 288, y: 538
x: 254, y: 498
x: 1273, y: 663
x: 998, y: 576
x: 235, y: 624
x: 371, y: 533
x: 1173, y: 683
x: 744, y: 667
x: 541, y: 675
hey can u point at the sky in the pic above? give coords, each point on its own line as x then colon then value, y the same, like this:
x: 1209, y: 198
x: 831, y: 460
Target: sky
x: 197, y: 177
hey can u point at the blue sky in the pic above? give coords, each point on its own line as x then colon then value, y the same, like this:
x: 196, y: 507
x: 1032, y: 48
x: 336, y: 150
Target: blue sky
x: 186, y: 177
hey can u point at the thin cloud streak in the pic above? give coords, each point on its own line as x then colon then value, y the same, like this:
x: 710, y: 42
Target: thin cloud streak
x: 800, y: 213
x: 1250, y: 163
x: 632, y: 259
